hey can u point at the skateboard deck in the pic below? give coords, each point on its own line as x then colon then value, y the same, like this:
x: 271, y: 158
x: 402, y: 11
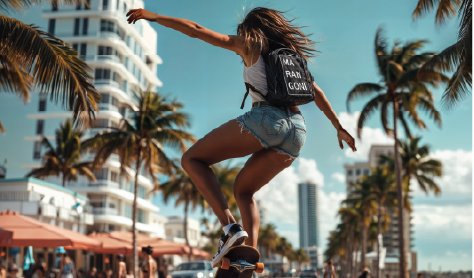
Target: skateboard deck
x: 239, y: 262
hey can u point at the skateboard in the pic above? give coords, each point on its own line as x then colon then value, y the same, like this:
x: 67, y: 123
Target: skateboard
x: 240, y: 262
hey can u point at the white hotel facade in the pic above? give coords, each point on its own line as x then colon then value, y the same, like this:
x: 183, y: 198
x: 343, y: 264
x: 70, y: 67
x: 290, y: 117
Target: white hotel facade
x: 122, y: 57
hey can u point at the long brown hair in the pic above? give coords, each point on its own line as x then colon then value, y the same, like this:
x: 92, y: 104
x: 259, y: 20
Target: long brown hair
x: 270, y: 28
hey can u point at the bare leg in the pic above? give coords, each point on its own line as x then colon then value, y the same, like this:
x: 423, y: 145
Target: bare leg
x: 260, y: 169
x: 224, y: 142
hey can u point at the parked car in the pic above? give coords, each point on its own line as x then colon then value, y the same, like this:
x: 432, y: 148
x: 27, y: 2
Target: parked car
x: 197, y: 269
x: 308, y: 273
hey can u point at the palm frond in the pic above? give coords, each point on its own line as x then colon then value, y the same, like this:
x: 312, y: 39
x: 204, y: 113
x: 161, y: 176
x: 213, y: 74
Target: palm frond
x: 361, y: 90
x: 368, y: 109
x: 13, y: 79
x: 54, y: 66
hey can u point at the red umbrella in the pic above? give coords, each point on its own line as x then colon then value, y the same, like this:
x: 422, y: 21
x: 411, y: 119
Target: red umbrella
x: 31, y: 232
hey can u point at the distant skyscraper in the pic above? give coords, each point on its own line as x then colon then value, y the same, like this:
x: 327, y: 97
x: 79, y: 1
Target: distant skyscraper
x: 308, y: 214
x: 262, y: 209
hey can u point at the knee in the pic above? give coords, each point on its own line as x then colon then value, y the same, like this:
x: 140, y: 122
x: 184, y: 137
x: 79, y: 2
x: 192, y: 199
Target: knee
x: 186, y: 160
x: 242, y: 194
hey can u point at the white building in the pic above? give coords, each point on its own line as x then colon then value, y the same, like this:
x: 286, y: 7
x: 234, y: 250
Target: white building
x: 46, y: 202
x: 122, y: 57
x: 174, y: 230
x: 263, y: 211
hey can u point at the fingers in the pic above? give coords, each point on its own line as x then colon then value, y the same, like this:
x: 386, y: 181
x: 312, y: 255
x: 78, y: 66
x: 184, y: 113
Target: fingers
x: 340, y: 144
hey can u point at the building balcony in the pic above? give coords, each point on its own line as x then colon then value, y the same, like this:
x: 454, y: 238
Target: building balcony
x: 108, y: 106
x: 105, y: 211
x: 106, y: 183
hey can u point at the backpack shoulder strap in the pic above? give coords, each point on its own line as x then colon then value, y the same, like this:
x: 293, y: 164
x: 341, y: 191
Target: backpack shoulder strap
x: 247, y: 86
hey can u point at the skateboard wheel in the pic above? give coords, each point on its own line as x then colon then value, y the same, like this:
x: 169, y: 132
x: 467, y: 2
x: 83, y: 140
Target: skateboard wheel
x: 260, y: 267
x: 225, y: 264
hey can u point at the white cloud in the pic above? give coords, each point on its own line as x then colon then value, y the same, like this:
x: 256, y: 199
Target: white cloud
x: 280, y: 199
x: 369, y: 136
x: 340, y: 177
x: 450, y: 222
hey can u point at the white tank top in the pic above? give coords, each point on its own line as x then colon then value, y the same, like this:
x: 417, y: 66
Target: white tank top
x: 255, y: 75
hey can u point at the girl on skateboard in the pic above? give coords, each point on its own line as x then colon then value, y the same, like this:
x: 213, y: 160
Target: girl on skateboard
x: 275, y: 136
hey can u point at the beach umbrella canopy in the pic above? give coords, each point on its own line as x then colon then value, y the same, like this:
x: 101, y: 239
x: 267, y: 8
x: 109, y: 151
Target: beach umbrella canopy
x: 31, y: 232
x: 6, y: 237
x: 110, y: 245
x: 160, y: 246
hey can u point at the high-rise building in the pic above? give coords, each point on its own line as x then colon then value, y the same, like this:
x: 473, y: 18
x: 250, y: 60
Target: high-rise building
x: 308, y: 214
x: 262, y: 209
x: 354, y: 173
x: 122, y: 57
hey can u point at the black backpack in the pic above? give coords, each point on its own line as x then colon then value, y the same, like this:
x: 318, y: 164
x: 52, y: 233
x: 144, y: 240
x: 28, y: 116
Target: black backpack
x: 289, y: 81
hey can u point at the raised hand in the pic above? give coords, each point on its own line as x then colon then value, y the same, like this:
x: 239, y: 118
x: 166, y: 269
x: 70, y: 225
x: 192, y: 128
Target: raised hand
x: 136, y: 14
x: 342, y: 134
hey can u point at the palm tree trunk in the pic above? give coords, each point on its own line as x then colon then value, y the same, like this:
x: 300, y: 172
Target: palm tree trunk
x: 351, y: 251
x: 398, y: 175
x: 379, y: 224
x: 185, y: 227
x: 64, y: 180
x: 134, y: 218
x: 363, y: 245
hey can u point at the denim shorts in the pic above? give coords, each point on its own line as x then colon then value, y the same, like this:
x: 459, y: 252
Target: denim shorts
x: 276, y: 128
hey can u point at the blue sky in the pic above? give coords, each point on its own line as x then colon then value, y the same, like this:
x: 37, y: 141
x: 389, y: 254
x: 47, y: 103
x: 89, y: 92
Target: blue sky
x: 208, y: 80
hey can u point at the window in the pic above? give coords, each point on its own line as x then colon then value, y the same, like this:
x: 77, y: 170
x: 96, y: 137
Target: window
x: 105, y: 4
x: 118, y: 4
x: 52, y: 25
x: 114, y: 176
x: 141, y: 216
x: 141, y: 192
x: 39, y: 126
x: 78, y: 6
x: 85, y: 24
x: 76, y: 26
x: 124, y: 6
x: 83, y: 49
x: 349, y: 172
x: 112, y: 205
x: 97, y: 204
x: 128, y: 211
x: 42, y: 105
x: 104, y: 98
x: 85, y: 5
x: 111, y: 228
x: 75, y: 46
x: 357, y: 172
x: 37, y: 150
x: 101, y: 174
x: 101, y: 123
x: 180, y: 234
x: 366, y: 171
x: 55, y: 6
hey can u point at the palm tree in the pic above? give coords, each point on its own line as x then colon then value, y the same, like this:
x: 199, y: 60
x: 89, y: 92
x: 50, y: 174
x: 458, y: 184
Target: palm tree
x: 301, y: 257
x: 283, y: 248
x: 417, y: 165
x: 65, y: 159
x: 402, y: 87
x: 30, y: 57
x: 337, y: 244
x: 268, y: 238
x: 349, y: 217
x: 181, y: 187
x: 457, y: 57
x: 384, y: 193
x: 140, y: 141
x: 361, y: 200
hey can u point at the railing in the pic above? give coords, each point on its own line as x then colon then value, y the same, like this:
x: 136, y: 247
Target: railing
x: 107, y: 183
x: 105, y: 211
x: 99, y: 58
x: 107, y: 82
x: 108, y: 106
x: 19, y: 196
x: 48, y: 210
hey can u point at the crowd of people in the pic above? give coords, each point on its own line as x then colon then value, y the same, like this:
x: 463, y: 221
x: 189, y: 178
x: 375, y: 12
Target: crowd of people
x: 64, y: 268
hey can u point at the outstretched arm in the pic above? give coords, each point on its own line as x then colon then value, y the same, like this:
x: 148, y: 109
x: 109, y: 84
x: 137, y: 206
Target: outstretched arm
x: 192, y: 29
x: 323, y: 104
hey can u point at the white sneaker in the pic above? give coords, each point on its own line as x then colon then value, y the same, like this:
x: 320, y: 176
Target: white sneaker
x: 235, y: 236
